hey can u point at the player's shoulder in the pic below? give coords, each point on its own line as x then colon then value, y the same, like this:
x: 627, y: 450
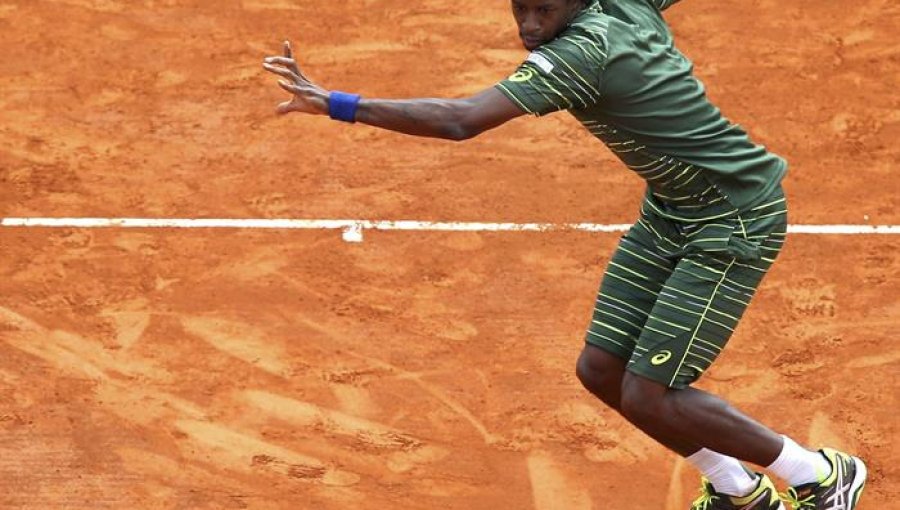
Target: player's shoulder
x: 589, y: 30
x: 592, y: 22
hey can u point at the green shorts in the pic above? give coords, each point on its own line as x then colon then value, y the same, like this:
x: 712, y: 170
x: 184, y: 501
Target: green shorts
x: 674, y: 291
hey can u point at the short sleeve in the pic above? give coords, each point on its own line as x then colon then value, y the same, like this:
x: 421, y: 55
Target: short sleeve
x: 563, y: 74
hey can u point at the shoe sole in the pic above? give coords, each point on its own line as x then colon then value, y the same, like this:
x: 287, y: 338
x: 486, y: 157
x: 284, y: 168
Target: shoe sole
x: 859, y: 482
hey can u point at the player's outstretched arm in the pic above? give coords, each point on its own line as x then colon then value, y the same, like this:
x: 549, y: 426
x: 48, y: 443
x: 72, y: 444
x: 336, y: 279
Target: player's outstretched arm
x: 451, y: 119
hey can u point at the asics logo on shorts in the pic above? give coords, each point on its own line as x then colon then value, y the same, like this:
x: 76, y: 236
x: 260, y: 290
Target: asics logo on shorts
x: 661, y: 358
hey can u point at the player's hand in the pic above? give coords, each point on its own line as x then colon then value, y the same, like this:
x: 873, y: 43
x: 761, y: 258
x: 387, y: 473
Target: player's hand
x: 307, y: 96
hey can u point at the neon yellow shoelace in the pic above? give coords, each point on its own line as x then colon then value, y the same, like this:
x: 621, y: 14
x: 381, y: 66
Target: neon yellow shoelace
x: 704, y: 501
x: 793, y: 498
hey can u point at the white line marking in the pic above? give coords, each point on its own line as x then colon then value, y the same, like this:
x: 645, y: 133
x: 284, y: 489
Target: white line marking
x: 844, y: 229
x: 353, y: 234
x: 353, y: 229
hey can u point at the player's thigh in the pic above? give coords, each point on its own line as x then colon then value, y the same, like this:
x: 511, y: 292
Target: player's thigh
x: 634, y: 277
x: 700, y: 306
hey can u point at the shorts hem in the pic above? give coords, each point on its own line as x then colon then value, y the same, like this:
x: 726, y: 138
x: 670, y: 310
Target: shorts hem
x: 661, y: 378
x: 615, y: 350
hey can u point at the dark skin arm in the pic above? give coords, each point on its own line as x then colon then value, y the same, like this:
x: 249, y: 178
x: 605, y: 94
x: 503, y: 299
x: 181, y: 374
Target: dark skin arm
x: 450, y: 119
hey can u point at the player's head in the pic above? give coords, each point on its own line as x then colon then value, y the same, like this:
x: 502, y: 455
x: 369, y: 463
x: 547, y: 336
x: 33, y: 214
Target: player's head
x: 540, y: 21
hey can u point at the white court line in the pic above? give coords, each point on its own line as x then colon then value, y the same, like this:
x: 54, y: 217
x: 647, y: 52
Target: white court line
x: 353, y: 229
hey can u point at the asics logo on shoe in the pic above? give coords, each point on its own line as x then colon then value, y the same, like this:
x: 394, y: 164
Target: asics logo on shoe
x: 838, y: 500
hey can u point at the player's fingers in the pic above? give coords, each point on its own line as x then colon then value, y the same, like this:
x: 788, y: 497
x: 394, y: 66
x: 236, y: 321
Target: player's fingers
x: 288, y: 62
x: 293, y: 89
x: 280, y: 71
x: 282, y: 61
x: 284, y: 108
x: 285, y: 62
x: 289, y: 53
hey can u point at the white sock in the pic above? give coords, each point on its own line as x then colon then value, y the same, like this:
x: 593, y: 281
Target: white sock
x: 797, y: 465
x: 726, y: 474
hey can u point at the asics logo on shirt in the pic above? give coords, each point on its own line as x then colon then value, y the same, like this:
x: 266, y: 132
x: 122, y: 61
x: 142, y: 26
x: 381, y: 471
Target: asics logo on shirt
x: 523, y: 75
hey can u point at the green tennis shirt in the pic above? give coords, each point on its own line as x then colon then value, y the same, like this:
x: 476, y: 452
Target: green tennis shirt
x: 616, y: 69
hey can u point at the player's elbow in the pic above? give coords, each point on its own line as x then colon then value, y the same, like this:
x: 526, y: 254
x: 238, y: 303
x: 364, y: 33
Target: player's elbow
x: 465, y: 122
x: 459, y: 132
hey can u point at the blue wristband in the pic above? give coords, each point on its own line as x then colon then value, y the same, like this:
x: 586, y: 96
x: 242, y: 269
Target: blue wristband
x: 343, y: 106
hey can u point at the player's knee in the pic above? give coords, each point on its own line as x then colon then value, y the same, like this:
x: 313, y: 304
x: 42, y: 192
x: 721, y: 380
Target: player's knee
x: 592, y: 373
x: 601, y: 374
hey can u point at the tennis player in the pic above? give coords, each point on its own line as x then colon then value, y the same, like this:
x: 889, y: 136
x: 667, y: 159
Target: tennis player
x: 712, y: 222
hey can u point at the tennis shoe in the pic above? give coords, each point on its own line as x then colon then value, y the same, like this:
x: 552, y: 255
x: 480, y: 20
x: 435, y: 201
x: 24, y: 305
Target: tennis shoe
x: 764, y: 497
x: 838, y: 491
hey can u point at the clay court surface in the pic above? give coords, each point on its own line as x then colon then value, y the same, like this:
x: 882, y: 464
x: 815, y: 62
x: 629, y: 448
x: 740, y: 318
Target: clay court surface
x: 208, y: 369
